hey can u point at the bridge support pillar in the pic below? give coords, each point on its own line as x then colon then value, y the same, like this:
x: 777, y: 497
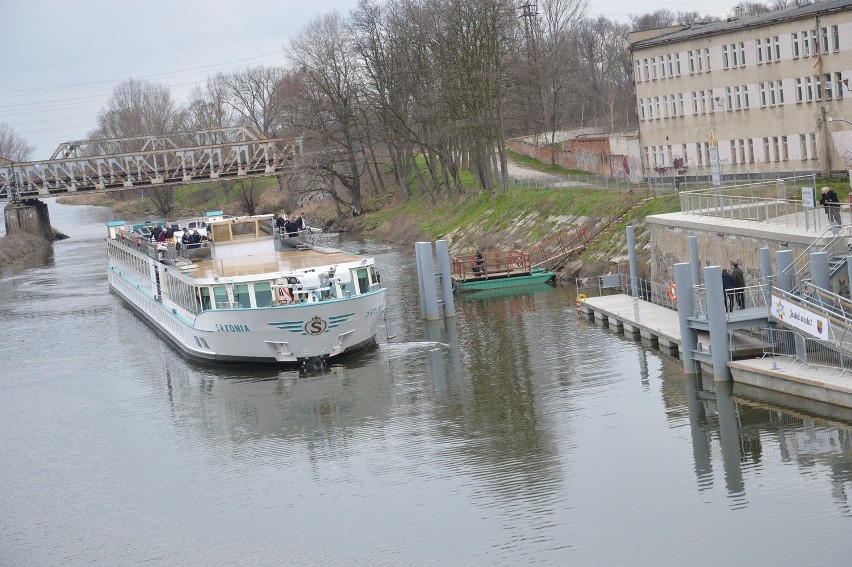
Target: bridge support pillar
x: 718, y: 321
x: 28, y: 216
x: 685, y: 310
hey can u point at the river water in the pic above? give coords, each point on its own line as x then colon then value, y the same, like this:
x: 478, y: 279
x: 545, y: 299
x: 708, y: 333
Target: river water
x: 517, y: 434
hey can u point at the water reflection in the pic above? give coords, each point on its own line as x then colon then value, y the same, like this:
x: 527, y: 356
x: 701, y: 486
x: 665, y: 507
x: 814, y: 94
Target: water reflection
x: 516, y: 433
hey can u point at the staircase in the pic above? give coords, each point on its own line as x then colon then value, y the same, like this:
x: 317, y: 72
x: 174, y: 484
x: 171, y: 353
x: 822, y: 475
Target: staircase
x: 551, y: 254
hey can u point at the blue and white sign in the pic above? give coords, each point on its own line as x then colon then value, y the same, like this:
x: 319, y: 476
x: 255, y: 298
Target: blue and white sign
x: 798, y: 317
x: 808, y: 197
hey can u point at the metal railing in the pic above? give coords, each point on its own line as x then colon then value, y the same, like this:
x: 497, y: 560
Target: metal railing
x: 573, y: 180
x: 807, y: 352
x: 836, y: 309
x: 834, y: 241
x: 777, y: 201
x: 755, y: 300
x: 647, y: 290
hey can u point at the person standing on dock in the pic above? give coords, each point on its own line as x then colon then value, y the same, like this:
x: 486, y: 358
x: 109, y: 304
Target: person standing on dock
x: 727, y: 288
x: 739, y: 284
x: 831, y: 203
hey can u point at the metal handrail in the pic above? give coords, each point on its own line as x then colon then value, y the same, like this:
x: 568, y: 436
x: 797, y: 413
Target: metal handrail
x: 828, y: 241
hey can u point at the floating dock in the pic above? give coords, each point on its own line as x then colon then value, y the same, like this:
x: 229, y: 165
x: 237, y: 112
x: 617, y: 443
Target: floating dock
x: 659, y: 326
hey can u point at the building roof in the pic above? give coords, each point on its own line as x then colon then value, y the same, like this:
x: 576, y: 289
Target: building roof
x: 734, y: 24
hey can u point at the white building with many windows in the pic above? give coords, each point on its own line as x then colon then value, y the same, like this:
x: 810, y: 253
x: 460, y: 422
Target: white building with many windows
x: 763, y: 87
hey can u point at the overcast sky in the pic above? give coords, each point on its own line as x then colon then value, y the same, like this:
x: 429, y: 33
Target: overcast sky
x: 60, y: 60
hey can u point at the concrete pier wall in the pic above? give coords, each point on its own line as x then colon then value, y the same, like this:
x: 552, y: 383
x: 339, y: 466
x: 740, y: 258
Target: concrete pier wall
x: 717, y: 245
x: 28, y: 216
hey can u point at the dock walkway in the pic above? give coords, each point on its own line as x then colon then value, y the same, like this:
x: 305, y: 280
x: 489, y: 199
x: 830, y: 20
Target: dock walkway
x: 660, y: 325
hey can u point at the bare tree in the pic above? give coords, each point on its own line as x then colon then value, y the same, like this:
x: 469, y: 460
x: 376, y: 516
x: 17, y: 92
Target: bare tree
x: 12, y: 146
x: 780, y: 4
x: 163, y: 199
x: 247, y: 192
x: 208, y: 108
x: 752, y: 8
x: 327, y: 108
x: 254, y: 97
x: 139, y: 108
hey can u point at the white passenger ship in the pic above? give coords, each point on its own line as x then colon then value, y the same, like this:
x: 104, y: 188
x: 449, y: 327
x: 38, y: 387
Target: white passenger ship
x: 244, y: 295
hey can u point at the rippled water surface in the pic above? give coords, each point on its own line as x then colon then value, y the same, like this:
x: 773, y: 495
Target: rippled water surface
x: 516, y: 434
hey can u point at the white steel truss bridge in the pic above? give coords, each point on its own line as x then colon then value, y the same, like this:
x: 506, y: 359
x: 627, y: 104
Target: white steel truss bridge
x: 96, y: 166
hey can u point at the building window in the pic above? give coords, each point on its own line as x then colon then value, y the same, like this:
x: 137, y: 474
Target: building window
x: 818, y: 88
x: 729, y: 99
x: 742, y: 54
x: 647, y: 73
x: 724, y: 57
x: 836, y: 37
x: 694, y: 103
x: 795, y: 38
x: 683, y: 154
x: 690, y: 62
x: 677, y: 64
x: 799, y: 96
x: 703, y: 102
x: 750, y: 150
x: 665, y: 106
x: 680, y: 104
x: 777, y: 45
x: 662, y: 67
x: 803, y: 146
x: 733, y: 150
x: 780, y: 92
x: 738, y: 101
x: 824, y: 33
x: 767, y: 49
x: 673, y: 106
x: 766, y: 156
x: 758, y: 52
x: 784, y: 152
x: 698, y: 154
x: 707, y: 59
x: 809, y: 89
x: 838, y: 84
x: 814, y: 43
x: 761, y: 93
x: 745, y: 97
x: 638, y: 71
x: 806, y: 45
x: 813, y: 145
x: 771, y: 94
x: 670, y: 63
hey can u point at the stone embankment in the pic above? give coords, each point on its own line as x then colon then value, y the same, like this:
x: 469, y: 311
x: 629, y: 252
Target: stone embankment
x: 16, y: 246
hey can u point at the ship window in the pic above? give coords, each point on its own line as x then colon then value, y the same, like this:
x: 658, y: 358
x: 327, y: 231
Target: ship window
x: 363, y: 278
x: 241, y: 296
x: 221, y: 233
x: 263, y: 294
x: 244, y: 229
x: 204, y: 298
x: 220, y: 295
x: 265, y: 227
